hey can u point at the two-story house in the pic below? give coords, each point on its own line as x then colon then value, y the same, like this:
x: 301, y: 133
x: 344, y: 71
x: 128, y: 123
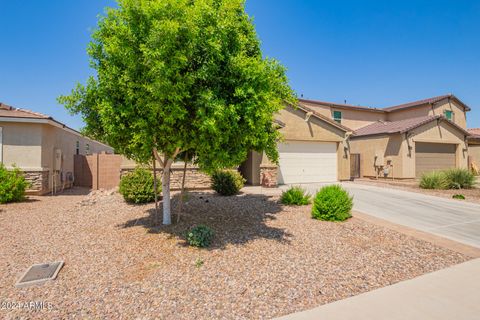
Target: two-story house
x: 327, y: 142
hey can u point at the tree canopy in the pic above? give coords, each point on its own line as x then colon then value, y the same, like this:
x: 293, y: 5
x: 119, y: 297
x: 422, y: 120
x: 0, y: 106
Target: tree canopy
x: 175, y: 75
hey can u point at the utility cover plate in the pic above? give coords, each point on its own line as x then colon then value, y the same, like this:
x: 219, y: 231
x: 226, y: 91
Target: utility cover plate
x: 39, y: 274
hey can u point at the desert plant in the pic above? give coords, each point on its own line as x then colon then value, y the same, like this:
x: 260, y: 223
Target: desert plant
x: 137, y: 186
x: 332, y: 203
x: 459, y: 178
x: 295, y: 196
x: 200, y: 236
x: 458, y: 196
x: 199, y: 262
x: 434, y: 180
x: 227, y: 182
x: 12, y: 185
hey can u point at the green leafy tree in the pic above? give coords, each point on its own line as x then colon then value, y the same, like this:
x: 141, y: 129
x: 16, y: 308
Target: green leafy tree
x: 177, y: 75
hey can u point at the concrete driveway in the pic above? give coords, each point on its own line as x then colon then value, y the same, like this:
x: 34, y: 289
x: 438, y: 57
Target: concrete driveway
x: 453, y: 219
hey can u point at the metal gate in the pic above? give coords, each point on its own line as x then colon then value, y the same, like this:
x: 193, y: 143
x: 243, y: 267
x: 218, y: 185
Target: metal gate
x: 354, y: 165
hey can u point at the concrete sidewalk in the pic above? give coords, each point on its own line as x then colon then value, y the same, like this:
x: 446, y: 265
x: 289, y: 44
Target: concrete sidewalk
x: 452, y: 293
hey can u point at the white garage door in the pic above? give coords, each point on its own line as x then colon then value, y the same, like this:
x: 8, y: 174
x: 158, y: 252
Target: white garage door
x: 307, y: 162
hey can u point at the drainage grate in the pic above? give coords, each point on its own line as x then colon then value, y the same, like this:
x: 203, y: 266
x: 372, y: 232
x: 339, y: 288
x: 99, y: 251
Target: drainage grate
x: 39, y: 274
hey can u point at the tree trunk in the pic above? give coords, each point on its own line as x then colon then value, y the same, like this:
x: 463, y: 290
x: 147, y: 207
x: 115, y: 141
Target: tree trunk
x: 167, y: 219
x: 166, y: 164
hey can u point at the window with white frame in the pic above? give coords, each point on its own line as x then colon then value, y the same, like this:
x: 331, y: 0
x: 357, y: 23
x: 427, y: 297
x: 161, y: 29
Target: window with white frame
x: 337, y: 116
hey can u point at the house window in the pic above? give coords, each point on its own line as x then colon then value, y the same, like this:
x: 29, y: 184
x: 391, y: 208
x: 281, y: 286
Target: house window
x: 448, y: 114
x: 87, y: 148
x: 337, y: 116
x: 77, y: 149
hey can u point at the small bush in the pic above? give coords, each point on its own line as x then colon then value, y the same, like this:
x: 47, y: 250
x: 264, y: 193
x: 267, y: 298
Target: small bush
x: 200, y: 236
x: 332, y: 203
x: 137, y: 186
x: 12, y: 185
x: 458, y: 196
x: 459, y: 178
x: 295, y: 196
x: 434, y: 180
x: 227, y: 182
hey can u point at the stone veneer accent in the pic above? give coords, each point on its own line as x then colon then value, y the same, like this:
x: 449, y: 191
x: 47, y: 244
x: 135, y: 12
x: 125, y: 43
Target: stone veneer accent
x: 195, y: 179
x: 268, y: 176
x: 38, y: 180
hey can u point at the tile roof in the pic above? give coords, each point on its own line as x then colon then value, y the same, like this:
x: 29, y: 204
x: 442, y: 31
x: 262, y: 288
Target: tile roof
x: 425, y: 101
x: 11, y: 112
x: 401, y: 126
x: 389, y: 109
x: 339, y: 105
x: 474, y: 132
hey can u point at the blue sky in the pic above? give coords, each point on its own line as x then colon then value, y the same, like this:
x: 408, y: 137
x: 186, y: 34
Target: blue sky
x: 374, y: 53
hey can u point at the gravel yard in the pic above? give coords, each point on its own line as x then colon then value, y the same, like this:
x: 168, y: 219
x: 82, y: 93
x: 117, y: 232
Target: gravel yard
x: 471, y: 195
x: 267, y: 260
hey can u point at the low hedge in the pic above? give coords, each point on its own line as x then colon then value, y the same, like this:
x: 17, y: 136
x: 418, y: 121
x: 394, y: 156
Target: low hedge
x: 295, y: 196
x: 227, y: 182
x: 332, y: 203
x: 137, y: 186
x: 448, y: 179
x: 12, y: 185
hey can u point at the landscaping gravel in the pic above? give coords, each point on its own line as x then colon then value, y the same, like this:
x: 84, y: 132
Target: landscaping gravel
x: 267, y: 260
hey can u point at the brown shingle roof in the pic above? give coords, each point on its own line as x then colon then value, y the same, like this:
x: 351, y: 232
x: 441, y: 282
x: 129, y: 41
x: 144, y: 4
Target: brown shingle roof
x: 11, y: 112
x: 401, y: 126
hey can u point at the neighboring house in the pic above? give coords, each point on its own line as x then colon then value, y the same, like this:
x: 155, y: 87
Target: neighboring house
x: 474, y: 146
x: 42, y: 147
x: 326, y: 142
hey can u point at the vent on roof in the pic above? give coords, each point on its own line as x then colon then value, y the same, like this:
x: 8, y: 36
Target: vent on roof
x: 39, y: 274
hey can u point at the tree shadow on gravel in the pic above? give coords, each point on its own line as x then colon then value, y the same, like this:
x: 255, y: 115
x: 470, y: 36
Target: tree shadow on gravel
x: 235, y: 220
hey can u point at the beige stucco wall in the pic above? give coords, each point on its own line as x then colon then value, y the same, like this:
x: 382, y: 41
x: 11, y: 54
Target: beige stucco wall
x: 474, y: 152
x: 435, y: 132
x: 21, y: 145
x: 396, y: 149
x: 57, y: 138
x: 427, y: 110
x: 353, y: 119
x: 296, y: 128
x: 376, y: 152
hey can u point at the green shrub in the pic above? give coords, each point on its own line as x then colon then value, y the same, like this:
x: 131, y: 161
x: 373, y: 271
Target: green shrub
x: 295, y: 196
x: 227, y: 182
x: 332, y: 203
x: 434, y: 180
x: 459, y: 178
x: 200, y: 236
x: 137, y: 186
x: 12, y: 185
x: 458, y: 196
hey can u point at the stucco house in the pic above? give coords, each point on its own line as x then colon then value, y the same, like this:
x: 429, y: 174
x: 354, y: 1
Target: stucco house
x: 42, y: 147
x: 326, y: 142
x: 474, y: 146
